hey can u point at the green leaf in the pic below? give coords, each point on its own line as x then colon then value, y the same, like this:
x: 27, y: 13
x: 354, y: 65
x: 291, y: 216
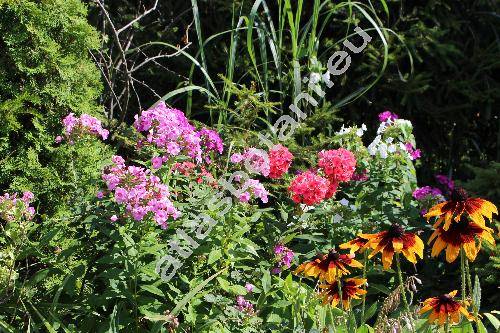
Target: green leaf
x: 466, y: 328
x: 153, y: 290
x: 39, y: 276
x: 238, y: 290
x: 193, y: 292
x: 365, y: 329
x: 7, y: 327
x: 480, y: 327
x: 45, y: 322
x: 225, y: 285
x: 214, y: 255
x: 370, y: 312
x: 380, y: 288
x: 274, y: 318
x: 493, y: 320
x: 266, y: 281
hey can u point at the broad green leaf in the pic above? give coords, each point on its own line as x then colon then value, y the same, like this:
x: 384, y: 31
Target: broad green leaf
x: 369, y: 312
x: 365, y: 329
x: 214, y: 255
x: 153, y: 290
x: 493, y: 320
x: 273, y: 318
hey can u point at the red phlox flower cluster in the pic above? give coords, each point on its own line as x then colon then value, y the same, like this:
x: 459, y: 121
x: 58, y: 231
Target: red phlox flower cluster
x: 280, y: 160
x: 309, y: 188
x: 337, y: 164
x: 189, y: 169
x: 140, y: 191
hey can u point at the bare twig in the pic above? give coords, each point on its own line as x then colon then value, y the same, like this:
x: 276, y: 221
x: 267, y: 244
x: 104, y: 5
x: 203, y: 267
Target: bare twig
x: 138, y: 18
x: 159, y: 56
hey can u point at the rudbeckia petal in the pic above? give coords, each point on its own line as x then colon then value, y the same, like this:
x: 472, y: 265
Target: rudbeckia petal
x: 387, y: 256
x: 470, y: 250
x: 397, y: 245
x: 438, y: 246
x: 452, y: 253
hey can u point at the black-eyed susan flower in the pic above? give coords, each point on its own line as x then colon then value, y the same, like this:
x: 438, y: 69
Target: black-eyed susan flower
x: 350, y: 288
x: 394, y: 240
x: 445, y: 309
x: 355, y: 245
x: 328, y: 267
x: 460, y: 203
x: 462, y: 234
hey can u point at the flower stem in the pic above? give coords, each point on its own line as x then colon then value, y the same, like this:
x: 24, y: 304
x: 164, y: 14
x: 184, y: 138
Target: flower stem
x: 447, y: 326
x: 467, y: 274
x: 365, y: 260
x: 475, y: 308
x: 462, y: 269
x: 401, y: 284
x: 345, y: 319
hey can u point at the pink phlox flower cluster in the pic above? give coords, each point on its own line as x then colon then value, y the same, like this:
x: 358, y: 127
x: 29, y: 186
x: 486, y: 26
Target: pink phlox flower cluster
x: 255, y: 188
x: 387, y: 116
x: 309, y: 188
x: 12, y: 207
x: 77, y: 127
x: 210, y: 141
x: 415, y: 154
x: 446, y: 181
x: 169, y: 130
x: 426, y: 192
x: 254, y: 158
x: 243, y: 305
x: 337, y: 164
x: 280, y: 160
x: 283, y: 258
x: 140, y: 191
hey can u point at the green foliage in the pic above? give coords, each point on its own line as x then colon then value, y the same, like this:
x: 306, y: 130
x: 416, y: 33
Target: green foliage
x: 73, y: 270
x: 45, y: 73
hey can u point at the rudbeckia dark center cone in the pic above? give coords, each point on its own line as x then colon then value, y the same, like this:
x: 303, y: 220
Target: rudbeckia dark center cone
x: 396, y: 231
x: 333, y: 255
x: 444, y: 299
x: 459, y: 194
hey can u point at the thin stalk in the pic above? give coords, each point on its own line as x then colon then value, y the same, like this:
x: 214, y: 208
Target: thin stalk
x: 402, y: 287
x: 365, y: 260
x: 447, y: 326
x: 401, y: 284
x: 339, y: 284
x: 462, y: 270
x: 467, y: 275
x: 475, y: 308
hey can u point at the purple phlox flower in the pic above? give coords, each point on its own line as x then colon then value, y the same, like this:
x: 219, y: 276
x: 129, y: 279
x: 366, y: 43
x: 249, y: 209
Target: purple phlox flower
x: 387, y: 116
